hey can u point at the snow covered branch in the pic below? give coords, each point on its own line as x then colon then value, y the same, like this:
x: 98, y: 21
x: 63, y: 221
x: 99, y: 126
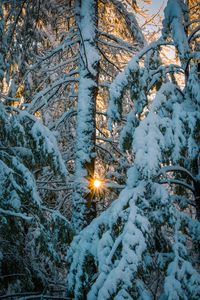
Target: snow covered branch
x: 177, y: 168
x: 15, y: 214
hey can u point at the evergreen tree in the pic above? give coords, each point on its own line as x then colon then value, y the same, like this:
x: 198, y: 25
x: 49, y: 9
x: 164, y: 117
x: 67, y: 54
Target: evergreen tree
x: 33, y: 236
x: 65, y: 69
x: 145, y: 245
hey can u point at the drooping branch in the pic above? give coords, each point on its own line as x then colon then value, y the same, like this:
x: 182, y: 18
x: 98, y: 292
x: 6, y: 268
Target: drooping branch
x: 178, y: 182
x: 177, y: 168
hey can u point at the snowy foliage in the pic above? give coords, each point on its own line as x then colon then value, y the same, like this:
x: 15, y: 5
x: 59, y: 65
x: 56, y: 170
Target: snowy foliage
x: 48, y: 51
x: 175, y: 22
x: 145, y: 245
x: 130, y: 19
x: 31, y: 234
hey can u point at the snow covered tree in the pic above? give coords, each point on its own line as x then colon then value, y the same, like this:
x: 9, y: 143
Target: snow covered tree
x: 33, y: 236
x: 86, y: 13
x: 21, y: 38
x: 60, y: 99
x: 145, y: 245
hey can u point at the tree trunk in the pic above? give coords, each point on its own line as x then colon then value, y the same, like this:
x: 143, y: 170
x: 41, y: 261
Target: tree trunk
x: 83, y: 202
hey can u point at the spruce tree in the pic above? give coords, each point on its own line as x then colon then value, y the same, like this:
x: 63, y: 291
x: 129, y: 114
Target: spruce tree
x: 33, y: 236
x: 145, y: 245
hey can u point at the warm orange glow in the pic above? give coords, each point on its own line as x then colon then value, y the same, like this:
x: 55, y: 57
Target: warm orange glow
x: 97, y: 183
x: 96, y: 186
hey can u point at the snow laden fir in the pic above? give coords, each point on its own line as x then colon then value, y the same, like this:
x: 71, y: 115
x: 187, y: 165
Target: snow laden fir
x: 146, y: 245
x: 26, y: 143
